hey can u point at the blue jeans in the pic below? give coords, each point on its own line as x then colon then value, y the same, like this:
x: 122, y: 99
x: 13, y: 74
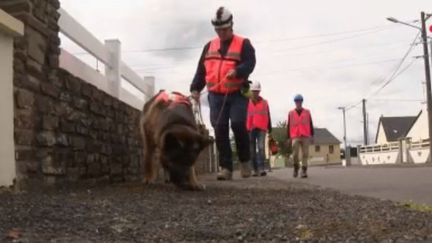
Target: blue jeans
x: 223, y: 110
x: 257, y: 142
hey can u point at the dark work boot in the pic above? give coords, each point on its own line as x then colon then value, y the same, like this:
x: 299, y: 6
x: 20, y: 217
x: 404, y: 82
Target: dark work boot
x: 304, y: 172
x: 296, y: 170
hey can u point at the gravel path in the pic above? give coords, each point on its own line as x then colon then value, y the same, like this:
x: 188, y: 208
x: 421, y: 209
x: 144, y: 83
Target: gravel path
x: 252, y: 210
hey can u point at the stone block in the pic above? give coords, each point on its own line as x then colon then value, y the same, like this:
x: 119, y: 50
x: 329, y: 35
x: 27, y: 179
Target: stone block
x: 65, y: 96
x: 24, y: 154
x: 50, y: 122
x: 62, y: 140
x: 24, y: 99
x: 37, y: 45
x: 80, y: 103
x: 50, y: 90
x: 25, y: 119
x: 73, y: 84
x: 63, y: 109
x: 26, y: 82
x: 94, y: 170
x: 46, y: 138
x: 45, y: 105
x: 53, y: 167
x: 35, y: 69
x: 24, y: 137
x: 81, y: 130
x: 78, y: 143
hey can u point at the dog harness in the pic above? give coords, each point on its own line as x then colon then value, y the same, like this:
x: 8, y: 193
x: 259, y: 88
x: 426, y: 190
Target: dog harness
x: 173, y: 98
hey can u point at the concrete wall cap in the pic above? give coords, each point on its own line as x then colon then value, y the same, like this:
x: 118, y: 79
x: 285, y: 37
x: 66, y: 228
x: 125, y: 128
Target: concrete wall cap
x: 10, y: 25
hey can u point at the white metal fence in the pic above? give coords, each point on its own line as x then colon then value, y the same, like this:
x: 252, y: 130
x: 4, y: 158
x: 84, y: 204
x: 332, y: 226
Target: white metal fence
x: 108, y: 53
x: 403, y: 151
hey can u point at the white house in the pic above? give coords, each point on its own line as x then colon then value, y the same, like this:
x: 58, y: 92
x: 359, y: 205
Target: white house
x: 399, y: 140
x: 391, y: 129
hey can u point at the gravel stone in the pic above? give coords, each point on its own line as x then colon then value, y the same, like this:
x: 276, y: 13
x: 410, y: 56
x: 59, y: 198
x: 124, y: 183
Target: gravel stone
x: 242, y: 210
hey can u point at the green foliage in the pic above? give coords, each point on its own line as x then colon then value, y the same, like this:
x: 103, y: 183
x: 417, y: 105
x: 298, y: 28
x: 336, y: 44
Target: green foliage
x: 279, y: 133
x: 418, y: 207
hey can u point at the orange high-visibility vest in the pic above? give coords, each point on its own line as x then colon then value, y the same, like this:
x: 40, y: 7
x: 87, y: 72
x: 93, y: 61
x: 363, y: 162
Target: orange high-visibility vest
x: 258, y: 115
x: 173, y: 98
x: 217, y: 66
x: 300, y: 124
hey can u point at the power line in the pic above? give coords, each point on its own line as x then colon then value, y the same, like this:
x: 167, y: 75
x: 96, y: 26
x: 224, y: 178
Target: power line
x: 382, y: 27
x: 364, y: 31
x: 331, y: 41
x: 394, y: 74
x: 396, y: 100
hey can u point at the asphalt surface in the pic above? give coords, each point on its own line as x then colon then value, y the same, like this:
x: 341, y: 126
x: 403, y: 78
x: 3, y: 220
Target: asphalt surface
x: 400, y: 184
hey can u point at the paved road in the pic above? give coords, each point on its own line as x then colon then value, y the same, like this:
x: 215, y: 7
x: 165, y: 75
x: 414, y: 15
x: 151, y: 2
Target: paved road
x: 397, y: 184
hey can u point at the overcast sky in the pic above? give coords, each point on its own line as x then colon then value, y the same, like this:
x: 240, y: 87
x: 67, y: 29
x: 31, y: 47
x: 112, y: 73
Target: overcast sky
x: 334, y: 52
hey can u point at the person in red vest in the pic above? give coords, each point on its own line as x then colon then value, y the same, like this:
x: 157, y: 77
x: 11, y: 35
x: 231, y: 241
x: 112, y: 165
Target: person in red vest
x: 258, y: 125
x: 224, y: 67
x: 300, y: 133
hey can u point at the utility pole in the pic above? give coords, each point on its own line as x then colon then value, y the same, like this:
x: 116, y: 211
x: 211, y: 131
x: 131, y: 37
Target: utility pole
x: 347, y: 154
x: 365, y: 134
x: 428, y: 80
x: 344, y: 120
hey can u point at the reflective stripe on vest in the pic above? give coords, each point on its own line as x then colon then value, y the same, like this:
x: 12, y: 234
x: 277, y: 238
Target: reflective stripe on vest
x: 300, y: 124
x: 258, y: 115
x: 217, y: 66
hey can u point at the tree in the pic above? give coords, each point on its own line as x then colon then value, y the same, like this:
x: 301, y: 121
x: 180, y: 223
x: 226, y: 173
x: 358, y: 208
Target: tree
x: 280, y: 135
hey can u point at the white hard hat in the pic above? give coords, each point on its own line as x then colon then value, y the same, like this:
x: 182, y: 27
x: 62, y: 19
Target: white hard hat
x: 256, y: 86
x: 223, y: 18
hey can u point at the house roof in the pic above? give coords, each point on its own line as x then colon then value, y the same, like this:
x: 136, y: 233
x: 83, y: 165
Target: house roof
x: 396, y: 127
x: 322, y: 136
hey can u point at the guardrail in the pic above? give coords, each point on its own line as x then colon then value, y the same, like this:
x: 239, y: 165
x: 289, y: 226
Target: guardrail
x: 380, y: 148
x: 108, y: 53
x: 424, y: 143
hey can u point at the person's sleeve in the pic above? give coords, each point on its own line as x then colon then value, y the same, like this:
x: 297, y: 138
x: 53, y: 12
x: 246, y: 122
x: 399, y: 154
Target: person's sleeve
x: 199, y: 82
x: 288, y: 127
x: 269, y: 117
x: 312, y: 127
x: 248, y: 60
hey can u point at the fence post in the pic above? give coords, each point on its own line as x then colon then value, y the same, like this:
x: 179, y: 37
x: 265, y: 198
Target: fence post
x: 150, y: 80
x: 112, y: 71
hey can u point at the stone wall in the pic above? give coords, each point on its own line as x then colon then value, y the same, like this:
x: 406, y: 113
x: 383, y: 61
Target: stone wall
x: 65, y: 128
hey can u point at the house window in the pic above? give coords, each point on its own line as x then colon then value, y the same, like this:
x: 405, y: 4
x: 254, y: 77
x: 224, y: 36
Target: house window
x: 331, y: 149
x: 317, y: 148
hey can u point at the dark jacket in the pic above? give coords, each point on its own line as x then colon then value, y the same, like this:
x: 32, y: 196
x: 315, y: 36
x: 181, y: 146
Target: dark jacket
x: 244, y: 68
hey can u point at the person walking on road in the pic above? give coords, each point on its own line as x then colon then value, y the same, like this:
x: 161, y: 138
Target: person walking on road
x: 224, y: 67
x: 300, y: 133
x: 258, y: 125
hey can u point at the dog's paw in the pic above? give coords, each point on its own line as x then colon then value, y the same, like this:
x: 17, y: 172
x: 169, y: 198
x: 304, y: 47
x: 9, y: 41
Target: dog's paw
x: 194, y: 187
x: 147, y: 181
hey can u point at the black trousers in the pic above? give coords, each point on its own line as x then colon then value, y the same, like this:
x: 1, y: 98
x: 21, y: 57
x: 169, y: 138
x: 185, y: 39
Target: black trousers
x: 226, y: 110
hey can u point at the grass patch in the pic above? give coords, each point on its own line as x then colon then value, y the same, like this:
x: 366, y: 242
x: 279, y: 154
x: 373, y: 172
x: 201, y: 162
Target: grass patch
x: 418, y: 207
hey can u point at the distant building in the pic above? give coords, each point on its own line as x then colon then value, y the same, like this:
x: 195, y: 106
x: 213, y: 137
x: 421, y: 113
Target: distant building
x: 325, y: 148
x: 399, y: 140
x: 391, y: 129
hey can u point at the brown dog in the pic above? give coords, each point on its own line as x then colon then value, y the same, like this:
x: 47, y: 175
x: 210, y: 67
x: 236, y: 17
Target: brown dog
x: 171, y: 139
